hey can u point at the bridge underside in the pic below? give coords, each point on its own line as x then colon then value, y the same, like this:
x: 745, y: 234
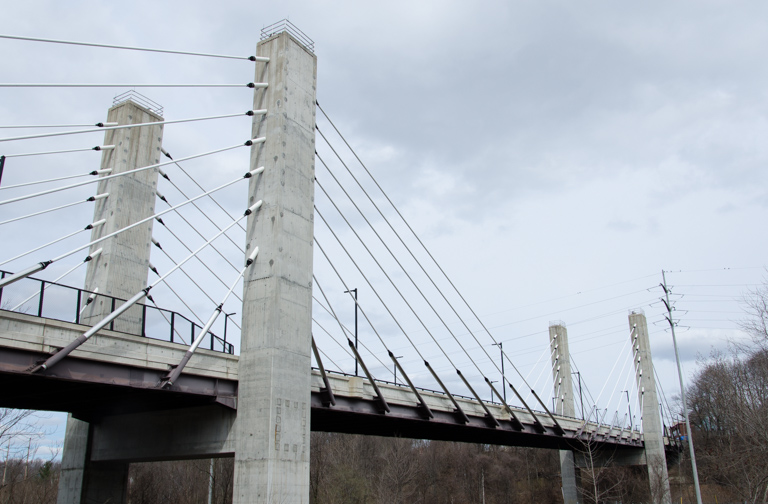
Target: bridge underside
x: 102, y: 393
x: 91, y: 390
x: 112, y: 384
x: 360, y: 416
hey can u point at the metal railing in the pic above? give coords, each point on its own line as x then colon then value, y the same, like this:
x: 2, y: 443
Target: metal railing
x: 138, y: 99
x: 286, y: 26
x: 66, y: 310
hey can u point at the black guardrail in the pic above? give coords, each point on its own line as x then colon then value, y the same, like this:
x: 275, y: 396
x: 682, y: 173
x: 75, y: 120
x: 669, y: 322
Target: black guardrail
x: 178, y: 326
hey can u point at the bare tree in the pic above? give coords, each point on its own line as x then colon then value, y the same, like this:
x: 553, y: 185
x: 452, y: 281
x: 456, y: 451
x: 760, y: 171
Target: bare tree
x: 25, y: 477
x: 729, y: 409
x: 599, y: 481
x: 755, y: 304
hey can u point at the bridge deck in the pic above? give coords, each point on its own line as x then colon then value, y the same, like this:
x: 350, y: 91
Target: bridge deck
x: 114, y: 373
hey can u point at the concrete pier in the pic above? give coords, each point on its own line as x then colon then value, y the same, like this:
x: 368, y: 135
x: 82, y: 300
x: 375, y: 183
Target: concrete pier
x: 120, y: 270
x: 274, y: 396
x: 564, y: 405
x: 653, y: 431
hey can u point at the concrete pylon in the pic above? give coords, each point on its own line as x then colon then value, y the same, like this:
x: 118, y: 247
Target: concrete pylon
x: 564, y: 405
x: 120, y: 270
x: 274, y: 392
x: 653, y: 432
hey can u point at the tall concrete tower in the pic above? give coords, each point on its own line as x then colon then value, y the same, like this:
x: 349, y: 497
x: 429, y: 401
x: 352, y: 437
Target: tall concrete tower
x: 274, y: 391
x: 653, y: 432
x: 564, y: 404
x: 120, y: 270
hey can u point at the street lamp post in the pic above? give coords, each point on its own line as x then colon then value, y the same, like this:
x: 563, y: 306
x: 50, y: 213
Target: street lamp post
x: 503, y: 379
x: 395, y: 367
x: 629, y: 408
x: 355, y: 291
x: 581, y: 397
x: 226, y: 319
x: 490, y: 383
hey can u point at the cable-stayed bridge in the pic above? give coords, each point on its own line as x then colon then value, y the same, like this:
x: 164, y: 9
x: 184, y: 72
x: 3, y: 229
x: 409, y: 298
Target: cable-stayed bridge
x: 251, y: 374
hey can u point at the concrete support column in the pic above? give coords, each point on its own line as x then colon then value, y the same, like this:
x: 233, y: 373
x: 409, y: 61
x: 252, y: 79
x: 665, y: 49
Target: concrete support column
x: 122, y: 267
x: 564, y: 405
x: 273, y: 413
x: 73, y: 461
x: 120, y: 270
x: 653, y: 433
x: 83, y: 481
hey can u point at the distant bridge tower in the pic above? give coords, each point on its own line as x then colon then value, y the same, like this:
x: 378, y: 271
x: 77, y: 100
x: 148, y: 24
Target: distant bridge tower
x: 119, y: 270
x: 564, y: 405
x: 653, y: 432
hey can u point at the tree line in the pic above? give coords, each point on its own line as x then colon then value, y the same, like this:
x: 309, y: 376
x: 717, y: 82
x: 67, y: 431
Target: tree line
x: 729, y: 410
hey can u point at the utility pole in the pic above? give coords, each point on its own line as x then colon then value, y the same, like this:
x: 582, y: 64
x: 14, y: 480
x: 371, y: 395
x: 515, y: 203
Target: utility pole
x: 355, y: 291
x: 503, y: 379
x: 682, y: 386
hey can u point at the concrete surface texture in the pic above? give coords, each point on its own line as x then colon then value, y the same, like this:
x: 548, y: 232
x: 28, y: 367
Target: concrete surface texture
x: 120, y: 270
x: 273, y: 417
x: 653, y: 431
x: 564, y: 405
x: 122, y: 267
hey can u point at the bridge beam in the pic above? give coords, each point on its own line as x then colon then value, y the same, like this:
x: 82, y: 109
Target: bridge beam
x: 653, y: 433
x: 564, y: 405
x: 274, y: 396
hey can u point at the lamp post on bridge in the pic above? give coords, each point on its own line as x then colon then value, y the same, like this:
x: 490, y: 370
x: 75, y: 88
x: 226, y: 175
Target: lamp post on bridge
x: 490, y: 383
x: 629, y: 408
x: 395, y: 367
x: 355, y: 291
x: 581, y: 397
x: 503, y: 379
x: 226, y: 319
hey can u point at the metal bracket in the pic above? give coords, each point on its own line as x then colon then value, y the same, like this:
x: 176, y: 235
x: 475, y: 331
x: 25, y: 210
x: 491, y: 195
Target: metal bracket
x: 229, y: 402
x: 327, y: 392
x: 383, y: 406
x: 536, y: 423
x: 516, y: 423
x: 422, y: 404
x: 488, y: 415
x: 558, y: 430
x: 459, y: 412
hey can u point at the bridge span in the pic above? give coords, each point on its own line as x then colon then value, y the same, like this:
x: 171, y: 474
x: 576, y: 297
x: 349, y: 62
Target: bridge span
x: 133, y: 398
x: 112, y: 381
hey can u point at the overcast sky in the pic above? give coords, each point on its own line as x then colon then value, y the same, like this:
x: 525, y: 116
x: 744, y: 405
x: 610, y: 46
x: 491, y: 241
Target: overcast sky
x: 553, y: 156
